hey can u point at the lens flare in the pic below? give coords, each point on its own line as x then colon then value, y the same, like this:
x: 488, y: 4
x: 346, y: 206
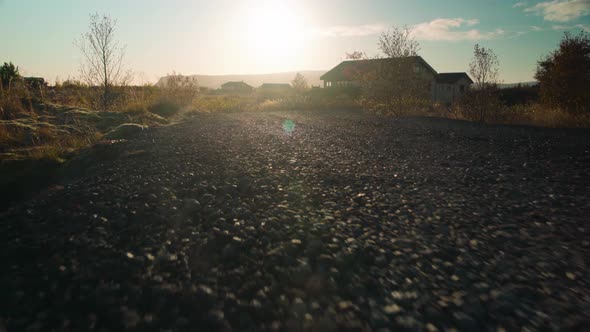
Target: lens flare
x: 288, y: 127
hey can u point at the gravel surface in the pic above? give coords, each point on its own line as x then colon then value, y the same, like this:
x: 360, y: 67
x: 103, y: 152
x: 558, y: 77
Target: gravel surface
x: 294, y: 221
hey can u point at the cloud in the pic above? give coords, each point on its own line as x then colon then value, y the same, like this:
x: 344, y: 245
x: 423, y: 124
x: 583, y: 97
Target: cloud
x: 536, y: 28
x: 571, y: 27
x: 561, y: 10
x: 519, y: 4
x: 350, y: 30
x: 449, y: 29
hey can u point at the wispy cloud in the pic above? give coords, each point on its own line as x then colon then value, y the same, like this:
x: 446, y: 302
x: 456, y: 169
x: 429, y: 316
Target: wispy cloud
x: 561, y: 10
x: 571, y: 27
x: 519, y: 4
x: 536, y: 28
x: 450, y: 29
x: 444, y: 29
x: 350, y: 30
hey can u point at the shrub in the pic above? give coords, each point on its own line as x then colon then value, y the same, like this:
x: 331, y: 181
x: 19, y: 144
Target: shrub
x: 8, y: 73
x: 165, y: 108
x: 564, y: 75
x: 480, y: 105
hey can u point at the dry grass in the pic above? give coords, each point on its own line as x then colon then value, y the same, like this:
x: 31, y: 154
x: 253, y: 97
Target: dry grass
x: 543, y: 116
x: 533, y: 114
x: 32, y: 125
x: 36, y: 124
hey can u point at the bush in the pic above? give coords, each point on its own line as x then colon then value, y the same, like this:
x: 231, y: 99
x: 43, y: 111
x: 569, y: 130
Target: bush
x: 479, y: 105
x: 8, y: 74
x: 564, y: 75
x: 165, y: 108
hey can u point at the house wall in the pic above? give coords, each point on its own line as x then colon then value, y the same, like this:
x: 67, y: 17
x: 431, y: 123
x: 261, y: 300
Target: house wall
x: 419, y: 69
x: 448, y: 93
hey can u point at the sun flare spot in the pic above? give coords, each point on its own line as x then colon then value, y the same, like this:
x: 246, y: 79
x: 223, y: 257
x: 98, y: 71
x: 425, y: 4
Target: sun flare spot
x: 274, y: 31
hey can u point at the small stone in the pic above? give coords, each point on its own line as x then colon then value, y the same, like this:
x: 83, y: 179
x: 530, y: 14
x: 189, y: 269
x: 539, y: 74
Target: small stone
x: 191, y: 204
x: 431, y: 328
x: 296, y: 241
x: 130, y: 255
x: 392, y: 309
x: 344, y: 305
x: 381, y: 260
x: 570, y: 275
x: 131, y: 318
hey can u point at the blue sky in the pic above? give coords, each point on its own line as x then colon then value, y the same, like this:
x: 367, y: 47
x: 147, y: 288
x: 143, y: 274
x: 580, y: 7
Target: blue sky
x: 249, y: 36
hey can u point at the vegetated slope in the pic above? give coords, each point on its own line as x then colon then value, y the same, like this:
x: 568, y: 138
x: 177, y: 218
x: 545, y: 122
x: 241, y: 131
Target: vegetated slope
x: 255, y: 80
x: 349, y: 222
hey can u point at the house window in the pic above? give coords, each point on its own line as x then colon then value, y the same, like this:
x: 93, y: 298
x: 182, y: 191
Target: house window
x: 462, y: 88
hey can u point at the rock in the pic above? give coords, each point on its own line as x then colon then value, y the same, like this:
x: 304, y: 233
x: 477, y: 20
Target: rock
x: 125, y: 131
x: 190, y: 205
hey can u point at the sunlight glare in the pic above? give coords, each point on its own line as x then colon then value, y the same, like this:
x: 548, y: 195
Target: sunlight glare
x: 275, y: 31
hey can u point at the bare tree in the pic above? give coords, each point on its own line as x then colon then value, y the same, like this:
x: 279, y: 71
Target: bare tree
x: 398, y: 42
x: 102, y: 63
x: 484, y: 67
x: 482, y: 103
x: 299, y: 84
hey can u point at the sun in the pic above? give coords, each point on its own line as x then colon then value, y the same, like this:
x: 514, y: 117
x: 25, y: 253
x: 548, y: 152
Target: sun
x: 274, y: 31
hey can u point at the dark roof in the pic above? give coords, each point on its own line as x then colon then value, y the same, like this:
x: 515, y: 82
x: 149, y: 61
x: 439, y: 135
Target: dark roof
x: 240, y: 84
x: 346, y: 69
x: 275, y: 86
x: 450, y: 78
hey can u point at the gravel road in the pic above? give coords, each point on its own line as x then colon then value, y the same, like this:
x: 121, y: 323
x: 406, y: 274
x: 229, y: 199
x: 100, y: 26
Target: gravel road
x: 299, y: 221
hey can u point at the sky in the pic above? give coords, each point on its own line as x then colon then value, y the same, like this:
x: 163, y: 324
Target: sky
x: 265, y: 36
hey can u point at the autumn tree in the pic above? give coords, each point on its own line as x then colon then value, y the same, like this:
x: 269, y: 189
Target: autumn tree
x: 102, y: 57
x: 564, y: 75
x: 299, y: 84
x: 484, y: 67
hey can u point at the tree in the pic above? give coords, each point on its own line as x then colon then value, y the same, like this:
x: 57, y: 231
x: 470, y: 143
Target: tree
x: 299, y: 84
x: 177, y: 92
x: 180, y: 89
x: 398, y: 84
x: 482, y: 103
x: 564, y: 75
x: 356, y: 55
x: 8, y: 73
x: 102, y: 63
x: 484, y: 67
x: 398, y: 42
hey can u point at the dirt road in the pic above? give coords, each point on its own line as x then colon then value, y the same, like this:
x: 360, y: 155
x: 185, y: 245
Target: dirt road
x: 292, y: 221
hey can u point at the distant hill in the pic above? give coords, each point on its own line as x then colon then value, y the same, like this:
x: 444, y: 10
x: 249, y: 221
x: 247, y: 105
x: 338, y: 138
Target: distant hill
x: 255, y: 80
x: 514, y: 85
